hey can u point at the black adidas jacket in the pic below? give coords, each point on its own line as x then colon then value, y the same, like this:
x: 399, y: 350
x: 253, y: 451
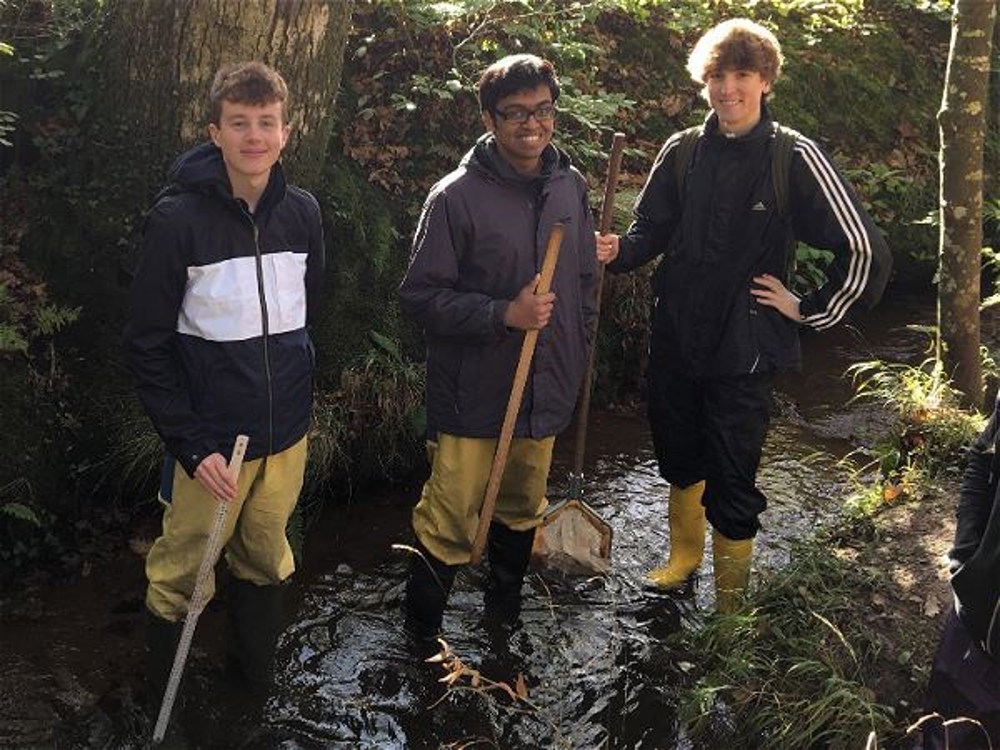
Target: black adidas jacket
x: 725, y: 230
x: 220, y: 302
x: 481, y: 238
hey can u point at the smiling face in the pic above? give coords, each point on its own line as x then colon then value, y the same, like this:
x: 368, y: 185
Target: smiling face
x: 522, y: 143
x: 251, y: 137
x: 735, y: 96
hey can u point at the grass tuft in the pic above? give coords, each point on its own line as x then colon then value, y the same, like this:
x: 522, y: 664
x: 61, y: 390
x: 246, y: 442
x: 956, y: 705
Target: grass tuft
x: 794, y: 669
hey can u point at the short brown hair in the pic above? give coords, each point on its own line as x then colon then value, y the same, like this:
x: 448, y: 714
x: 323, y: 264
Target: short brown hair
x: 246, y: 83
x: 736, y: 44
x: 512, y: 74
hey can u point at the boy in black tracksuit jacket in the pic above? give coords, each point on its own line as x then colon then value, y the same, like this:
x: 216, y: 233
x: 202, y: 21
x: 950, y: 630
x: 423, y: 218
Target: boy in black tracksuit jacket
x: 231, y: 264
x: 724, y: 323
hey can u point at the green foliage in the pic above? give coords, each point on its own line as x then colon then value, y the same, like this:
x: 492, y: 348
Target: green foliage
x: 863, y: 80
x: 26, y: 536
x: 50, y: 319
x: 16, y: 502
x: 399, y: 95
x: 795, y: 670
x: 927, y: 431
x: 28, y: 318
x: 130, y: 466
x: 32, y: 393
x: 991, y: 216
x: 898, y: 199
x: 371, y: 429
x: 20, y: 512
x: 8, y: 119
x: 382, y: 393
x: 8, y: 124
x: 367, y: 259
x: 593, y: 114
x: 810, y: 267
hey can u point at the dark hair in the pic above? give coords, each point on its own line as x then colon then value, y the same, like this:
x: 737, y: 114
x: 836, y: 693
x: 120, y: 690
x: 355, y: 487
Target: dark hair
x: 246, y: 83
x: 512, y: 74
x: 736, y: 44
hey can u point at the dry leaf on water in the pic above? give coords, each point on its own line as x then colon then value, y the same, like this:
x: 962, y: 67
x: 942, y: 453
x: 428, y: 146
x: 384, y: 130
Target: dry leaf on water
x: 520, y: 687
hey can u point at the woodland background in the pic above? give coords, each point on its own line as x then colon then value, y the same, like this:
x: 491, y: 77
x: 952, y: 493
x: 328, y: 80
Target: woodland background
x: 97, y: 98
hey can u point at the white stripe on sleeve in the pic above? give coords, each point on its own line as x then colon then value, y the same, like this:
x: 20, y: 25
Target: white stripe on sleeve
x: 852, y: 225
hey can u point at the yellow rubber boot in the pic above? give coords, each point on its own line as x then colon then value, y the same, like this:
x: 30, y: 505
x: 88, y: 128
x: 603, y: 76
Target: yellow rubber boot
x: 687, y: 538
x: 732, y: 571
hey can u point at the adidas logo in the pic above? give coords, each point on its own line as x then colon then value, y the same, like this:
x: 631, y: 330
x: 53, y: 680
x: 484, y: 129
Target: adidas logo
x: 759, y: 206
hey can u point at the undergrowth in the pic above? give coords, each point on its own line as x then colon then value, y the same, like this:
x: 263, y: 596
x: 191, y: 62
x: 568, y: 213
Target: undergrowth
x: 799, y: 667
x: 795, y: 669
x: 926, y: 433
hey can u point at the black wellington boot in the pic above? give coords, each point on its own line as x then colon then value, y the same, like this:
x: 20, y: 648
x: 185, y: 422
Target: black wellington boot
x: 509, y: 553
x: 255, y: 621
x: 427, y: 593
x: 162, y: 637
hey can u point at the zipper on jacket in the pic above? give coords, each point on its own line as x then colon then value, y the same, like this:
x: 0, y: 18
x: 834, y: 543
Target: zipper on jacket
x: 264, y: 326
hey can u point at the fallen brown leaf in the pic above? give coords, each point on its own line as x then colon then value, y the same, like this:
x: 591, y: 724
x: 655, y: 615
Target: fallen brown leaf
x: 521, y: 687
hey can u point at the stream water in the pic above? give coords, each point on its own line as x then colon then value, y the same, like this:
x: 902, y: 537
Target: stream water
x: 594, y: 653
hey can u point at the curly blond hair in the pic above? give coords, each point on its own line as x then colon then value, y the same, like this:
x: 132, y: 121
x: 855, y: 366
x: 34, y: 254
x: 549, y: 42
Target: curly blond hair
x: 736, y: 44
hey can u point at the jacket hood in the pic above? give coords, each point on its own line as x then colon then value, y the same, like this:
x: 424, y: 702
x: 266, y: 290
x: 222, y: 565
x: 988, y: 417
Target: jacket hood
x: 485, y: 158
x: 202, y: 170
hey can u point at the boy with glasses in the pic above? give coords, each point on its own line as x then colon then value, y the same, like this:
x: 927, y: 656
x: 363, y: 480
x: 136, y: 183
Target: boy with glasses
x: 471, y: 283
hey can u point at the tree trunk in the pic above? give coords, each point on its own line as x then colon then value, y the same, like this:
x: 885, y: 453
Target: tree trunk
x: 962, y: 122
x: 158, y: 57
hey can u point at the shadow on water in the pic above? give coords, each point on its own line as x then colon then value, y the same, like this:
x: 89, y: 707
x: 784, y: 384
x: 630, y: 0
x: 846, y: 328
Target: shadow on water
x: 595, y: 654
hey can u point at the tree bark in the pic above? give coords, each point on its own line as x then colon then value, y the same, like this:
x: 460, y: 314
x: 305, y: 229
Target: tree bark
x: 158, y: 57
x: 962, y: 124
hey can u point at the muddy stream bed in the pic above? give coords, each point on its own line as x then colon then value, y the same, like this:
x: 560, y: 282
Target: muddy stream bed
x: 594, y: 653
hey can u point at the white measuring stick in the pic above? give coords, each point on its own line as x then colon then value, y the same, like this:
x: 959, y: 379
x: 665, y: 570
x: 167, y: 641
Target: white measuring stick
x: 197, y: 603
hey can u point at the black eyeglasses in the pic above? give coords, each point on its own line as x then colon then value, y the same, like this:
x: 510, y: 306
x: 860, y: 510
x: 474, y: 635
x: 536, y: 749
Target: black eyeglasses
x: 544, y: 113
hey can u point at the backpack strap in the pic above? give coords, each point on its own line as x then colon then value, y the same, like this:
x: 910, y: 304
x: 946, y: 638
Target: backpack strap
x: 781, y: 165
x: 781, y: 161
x: 685, y: 155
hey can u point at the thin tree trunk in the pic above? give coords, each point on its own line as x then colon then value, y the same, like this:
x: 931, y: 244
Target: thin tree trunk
x: 962, y: 123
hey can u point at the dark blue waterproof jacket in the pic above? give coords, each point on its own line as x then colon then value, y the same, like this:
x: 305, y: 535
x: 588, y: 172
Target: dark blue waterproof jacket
x: 217, y: 341
x: 481, y: 238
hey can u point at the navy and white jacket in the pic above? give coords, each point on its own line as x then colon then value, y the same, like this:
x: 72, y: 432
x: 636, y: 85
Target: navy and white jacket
x: 724, y: 230
x: 218, y: 341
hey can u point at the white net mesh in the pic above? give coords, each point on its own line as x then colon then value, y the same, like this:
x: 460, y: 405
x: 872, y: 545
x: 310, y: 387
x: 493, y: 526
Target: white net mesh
x: 573, y: 540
